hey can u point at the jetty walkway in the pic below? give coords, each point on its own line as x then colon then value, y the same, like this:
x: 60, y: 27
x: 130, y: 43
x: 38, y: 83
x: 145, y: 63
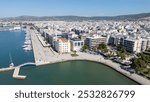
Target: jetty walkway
x: 17, y: 70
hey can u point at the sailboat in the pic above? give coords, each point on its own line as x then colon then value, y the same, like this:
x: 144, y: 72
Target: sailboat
x: 11, y: 62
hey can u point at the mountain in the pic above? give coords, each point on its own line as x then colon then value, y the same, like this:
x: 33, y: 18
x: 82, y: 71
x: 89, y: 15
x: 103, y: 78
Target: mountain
x: 142, y: 16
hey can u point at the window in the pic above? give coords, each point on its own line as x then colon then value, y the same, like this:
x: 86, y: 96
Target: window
x: 79, y: 44
x: 75, y: 44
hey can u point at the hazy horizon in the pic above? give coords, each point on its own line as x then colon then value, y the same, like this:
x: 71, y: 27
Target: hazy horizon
x: 87, y: 8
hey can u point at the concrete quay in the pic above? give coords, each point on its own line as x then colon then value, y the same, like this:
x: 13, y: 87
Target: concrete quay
x: 6, y: 69
x: 16, y: 74
x: 42, y: 52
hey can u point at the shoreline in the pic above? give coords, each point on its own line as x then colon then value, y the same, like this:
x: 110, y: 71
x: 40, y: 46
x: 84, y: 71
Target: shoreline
x: 113, y: 68
x: 112, y: 65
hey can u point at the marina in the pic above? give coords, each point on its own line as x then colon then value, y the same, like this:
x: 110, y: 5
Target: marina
x: 27, y: 44
x: 13, y: 47
x: 10, y: 28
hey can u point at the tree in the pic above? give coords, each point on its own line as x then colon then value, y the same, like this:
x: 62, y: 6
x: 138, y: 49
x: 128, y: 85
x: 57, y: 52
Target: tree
x: 121, y: 52
x: 103, y: 48
x: 149, y: 72
x: 148, y: 50
x: 123, y: 56
x: 140, y: 64
x: 84, y: 48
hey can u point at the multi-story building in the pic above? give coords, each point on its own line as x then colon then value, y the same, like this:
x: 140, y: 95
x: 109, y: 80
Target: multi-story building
x: 133, y: 45
x: 116, y: 40
x: 62, y: 45
x: 148, y: 43
x: 144, y: 45
x: 95, y: 41
x: 76, y: 44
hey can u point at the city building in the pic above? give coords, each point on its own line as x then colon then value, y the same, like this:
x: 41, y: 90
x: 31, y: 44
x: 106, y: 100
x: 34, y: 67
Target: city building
x: 62, y: 46
x: 144, y: 45
x: 95, y: 41
x: 148, y: 43
x: 76, y: 44
x: 133, y: 45
x: 116, y: 40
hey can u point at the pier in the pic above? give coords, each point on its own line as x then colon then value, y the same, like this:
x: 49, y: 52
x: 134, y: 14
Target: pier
x: 6, y: 69
x: 16, y: 74
x: 17, y: 70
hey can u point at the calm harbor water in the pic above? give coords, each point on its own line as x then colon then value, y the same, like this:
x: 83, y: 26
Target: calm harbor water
x: 11, y: 43
x: 66, y: 73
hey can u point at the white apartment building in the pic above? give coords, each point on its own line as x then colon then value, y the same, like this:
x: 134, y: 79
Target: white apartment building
x: 62, y: 46
x: 144, y: 45
x: 95, y: 41
x: 76, y: 44
x: 148, y: 43
x: 133, y: 45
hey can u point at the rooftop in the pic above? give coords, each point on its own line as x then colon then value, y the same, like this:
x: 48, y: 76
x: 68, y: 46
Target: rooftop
x: 62, y: 40
x: 76, y: 39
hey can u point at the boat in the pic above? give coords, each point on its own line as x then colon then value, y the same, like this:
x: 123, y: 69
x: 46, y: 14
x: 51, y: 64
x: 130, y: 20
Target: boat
x: 11, y: 62
x: 11, y: 65
x: 27, y: 44
x: 17, y: 28
x: 28, y: 48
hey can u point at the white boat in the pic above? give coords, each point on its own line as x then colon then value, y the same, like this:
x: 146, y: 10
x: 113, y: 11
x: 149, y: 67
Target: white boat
x: 24, y: 46
x: 17, y: 28
x: 27, y: 42
x: 11, y: 64
x: 27, y: 48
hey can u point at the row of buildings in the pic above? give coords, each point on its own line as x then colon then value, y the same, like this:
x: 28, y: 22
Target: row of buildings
x: 131, y: 44
x: 72, y: 36
x: 64, y: 42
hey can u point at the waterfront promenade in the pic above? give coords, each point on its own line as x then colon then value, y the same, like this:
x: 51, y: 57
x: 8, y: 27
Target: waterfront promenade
x: 42, y: 54
x: 46, y: 55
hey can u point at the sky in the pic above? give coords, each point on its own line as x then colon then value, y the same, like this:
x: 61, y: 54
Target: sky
x: 13, y: 8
